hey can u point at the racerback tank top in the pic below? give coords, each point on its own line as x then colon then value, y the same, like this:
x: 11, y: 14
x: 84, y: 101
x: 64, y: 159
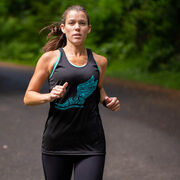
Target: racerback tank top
x: 74, y: 125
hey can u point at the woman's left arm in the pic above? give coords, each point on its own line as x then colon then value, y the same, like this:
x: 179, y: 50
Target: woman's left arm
x: 110, y: 102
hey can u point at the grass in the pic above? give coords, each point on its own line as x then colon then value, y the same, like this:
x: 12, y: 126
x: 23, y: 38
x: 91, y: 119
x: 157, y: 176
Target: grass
x: 20, y: 62
x: 134, y: 70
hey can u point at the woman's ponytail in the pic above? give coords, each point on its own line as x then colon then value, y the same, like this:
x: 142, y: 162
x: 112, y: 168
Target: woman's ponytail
x: 56, y: 38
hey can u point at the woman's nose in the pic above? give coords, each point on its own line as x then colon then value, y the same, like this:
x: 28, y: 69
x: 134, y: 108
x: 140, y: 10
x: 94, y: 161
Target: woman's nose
x: 77, y: 26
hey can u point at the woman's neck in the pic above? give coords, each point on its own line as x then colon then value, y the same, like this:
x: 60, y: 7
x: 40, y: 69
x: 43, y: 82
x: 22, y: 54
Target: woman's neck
x: 73, y: 50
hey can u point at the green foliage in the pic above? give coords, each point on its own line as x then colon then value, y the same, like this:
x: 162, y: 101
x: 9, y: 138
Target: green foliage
x: 141, y: 34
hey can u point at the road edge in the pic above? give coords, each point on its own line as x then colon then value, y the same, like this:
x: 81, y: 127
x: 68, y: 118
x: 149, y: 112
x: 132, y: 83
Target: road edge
x: 111, y: 81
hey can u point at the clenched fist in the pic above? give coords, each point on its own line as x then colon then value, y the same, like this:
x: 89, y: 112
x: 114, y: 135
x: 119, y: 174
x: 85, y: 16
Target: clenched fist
x: 57, y: 92
x: 112, y: 103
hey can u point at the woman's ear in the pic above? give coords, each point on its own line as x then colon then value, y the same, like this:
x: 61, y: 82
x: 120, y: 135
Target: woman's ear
x: 89, y: 28
x: 62, y: 28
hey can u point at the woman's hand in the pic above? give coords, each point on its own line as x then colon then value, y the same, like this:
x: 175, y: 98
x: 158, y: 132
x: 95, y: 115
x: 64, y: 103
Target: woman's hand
x: 112, y: 103
x: 57, y: 92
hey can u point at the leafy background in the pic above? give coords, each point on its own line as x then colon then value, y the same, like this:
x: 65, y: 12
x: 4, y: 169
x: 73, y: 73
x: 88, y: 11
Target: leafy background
x: 140, y: 38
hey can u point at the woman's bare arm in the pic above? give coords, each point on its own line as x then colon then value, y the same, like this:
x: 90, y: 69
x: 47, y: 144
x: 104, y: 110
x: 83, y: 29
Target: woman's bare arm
x: 111, y: 102
x: 41, y: 74
x: 102, y: 63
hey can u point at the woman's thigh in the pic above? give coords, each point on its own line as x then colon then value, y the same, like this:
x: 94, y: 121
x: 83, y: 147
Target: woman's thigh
x: 57, y: 167
x: 89, y: 167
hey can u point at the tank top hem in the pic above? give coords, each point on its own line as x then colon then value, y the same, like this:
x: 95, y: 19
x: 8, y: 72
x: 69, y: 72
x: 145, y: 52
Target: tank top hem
x: 72, y: 152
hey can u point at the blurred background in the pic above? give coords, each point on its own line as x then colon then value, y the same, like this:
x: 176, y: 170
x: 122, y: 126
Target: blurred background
x: 140, y: 38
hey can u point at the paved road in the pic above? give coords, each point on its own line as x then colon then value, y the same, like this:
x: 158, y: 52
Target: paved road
x: 143, y: 139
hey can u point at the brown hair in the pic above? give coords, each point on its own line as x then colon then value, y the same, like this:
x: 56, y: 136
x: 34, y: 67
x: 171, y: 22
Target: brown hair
x: 60, y: 38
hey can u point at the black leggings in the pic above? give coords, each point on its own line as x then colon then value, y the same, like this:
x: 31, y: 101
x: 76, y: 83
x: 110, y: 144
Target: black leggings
x: 86, y: 167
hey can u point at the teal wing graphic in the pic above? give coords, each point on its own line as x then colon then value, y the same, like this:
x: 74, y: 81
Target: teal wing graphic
x: 84, y: 90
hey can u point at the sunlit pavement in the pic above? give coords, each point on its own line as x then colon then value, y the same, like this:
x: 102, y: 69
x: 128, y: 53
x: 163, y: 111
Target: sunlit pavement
x: 143, y: 138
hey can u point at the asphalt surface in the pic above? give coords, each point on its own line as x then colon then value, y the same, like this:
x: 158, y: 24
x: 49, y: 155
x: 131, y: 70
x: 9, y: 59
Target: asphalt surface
x: 143, y: 138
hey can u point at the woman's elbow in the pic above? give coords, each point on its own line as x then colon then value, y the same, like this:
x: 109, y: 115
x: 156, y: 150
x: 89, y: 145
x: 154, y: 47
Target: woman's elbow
x: 25, y: 100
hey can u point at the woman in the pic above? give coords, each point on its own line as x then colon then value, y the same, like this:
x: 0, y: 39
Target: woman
x: 73, y: 134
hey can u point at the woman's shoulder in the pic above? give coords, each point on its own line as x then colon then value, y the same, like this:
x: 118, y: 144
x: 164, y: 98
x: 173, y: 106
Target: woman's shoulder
x: 49, y: 58
x: 50, y: 55
x: 101, y: 60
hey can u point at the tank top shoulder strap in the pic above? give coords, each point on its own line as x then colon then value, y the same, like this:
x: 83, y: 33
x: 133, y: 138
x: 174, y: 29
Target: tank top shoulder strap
x: 56, y: 63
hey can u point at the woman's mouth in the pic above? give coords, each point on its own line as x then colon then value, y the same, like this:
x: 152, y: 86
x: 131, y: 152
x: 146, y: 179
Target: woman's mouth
x: 77, y: 35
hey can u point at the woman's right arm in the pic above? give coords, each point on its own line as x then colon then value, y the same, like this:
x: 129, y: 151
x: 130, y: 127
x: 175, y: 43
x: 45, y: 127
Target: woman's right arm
x: 41, y: 74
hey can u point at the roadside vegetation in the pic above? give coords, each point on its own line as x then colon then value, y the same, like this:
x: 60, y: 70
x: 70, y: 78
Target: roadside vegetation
x: 140, y: 38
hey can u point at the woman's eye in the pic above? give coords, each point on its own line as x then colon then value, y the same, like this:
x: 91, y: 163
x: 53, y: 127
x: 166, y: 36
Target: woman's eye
x: 82, y: 23
x: 71, y: 22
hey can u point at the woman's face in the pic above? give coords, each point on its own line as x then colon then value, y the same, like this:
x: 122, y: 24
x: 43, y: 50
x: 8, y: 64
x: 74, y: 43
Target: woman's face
x: 76, y: 27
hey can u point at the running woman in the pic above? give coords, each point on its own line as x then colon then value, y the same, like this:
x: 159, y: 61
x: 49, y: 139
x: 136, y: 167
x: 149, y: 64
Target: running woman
x: 73, y: 136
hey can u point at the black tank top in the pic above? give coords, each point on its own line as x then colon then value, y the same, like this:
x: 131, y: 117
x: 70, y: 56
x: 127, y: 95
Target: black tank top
x: 74, y: 124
